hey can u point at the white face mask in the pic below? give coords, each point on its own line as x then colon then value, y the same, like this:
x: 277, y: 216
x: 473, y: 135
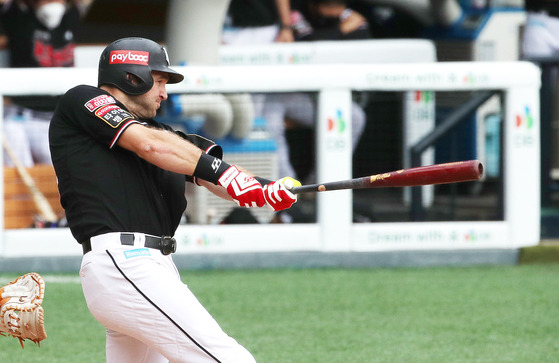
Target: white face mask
x: 51, y: 14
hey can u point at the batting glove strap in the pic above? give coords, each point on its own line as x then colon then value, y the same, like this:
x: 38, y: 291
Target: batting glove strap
x: 245, y: 190
x: 209, y: 168
x: 277, y: 194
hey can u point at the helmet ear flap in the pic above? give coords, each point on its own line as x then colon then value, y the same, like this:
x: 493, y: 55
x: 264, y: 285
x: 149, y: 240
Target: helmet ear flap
x: 136, y: 84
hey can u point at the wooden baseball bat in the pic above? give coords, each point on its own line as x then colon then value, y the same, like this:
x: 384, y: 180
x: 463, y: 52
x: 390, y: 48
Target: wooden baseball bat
x: 454, y: 172
x: 41, y: 202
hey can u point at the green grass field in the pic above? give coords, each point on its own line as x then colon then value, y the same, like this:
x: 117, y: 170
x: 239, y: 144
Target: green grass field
x: 470, y: 314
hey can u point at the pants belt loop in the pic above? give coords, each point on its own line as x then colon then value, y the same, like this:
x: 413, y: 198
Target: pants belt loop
x: 127, y: 239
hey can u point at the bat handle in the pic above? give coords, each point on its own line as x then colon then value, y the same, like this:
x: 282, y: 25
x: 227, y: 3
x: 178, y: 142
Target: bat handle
x: 305, y: 189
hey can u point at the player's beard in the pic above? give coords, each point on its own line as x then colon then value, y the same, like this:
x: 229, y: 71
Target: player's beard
x: 143, y: 107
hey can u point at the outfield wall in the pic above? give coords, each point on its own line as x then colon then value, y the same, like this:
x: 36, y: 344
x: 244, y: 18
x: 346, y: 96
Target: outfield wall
x: 334, y: 231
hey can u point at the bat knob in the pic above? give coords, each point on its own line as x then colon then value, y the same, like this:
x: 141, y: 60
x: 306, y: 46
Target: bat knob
x: 289, y: 183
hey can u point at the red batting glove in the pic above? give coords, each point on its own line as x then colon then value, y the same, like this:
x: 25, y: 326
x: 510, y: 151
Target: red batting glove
x: 277, y: 194
x: 243, y: 188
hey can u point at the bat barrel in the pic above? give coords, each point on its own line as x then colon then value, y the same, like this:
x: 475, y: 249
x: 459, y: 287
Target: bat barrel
x: 454, y: 172
x: 460, y: 171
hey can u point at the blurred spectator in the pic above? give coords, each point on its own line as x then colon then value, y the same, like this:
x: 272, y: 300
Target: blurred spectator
x: 541, y: 32
x: 3, y: 38
x: 328, y: 20
x: 257, y: 22
x: 389, y: 22
x: 321, y: 20
x: 247, y: 22
x: 39, y: 33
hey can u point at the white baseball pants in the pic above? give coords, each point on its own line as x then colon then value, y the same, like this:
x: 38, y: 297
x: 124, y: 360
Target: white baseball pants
x: 150, y: 314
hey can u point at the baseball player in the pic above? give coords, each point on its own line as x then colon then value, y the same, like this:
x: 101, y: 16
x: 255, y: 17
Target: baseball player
x: 121, y: 178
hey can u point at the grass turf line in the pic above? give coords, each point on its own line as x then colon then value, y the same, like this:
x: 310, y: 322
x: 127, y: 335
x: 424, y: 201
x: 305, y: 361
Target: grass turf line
x: 469, y: 314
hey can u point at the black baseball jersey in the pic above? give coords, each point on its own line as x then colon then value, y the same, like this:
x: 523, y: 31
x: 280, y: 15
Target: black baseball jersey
x: 103, y: 187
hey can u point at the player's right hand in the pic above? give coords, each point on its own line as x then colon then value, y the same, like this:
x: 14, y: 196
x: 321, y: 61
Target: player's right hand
x: 244, y: 189
x: 278, y: 194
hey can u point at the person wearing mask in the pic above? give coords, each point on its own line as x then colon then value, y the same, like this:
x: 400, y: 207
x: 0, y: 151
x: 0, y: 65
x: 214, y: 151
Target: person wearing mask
x: 38, y: 33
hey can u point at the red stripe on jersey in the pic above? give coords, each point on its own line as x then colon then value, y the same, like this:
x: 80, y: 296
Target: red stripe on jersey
x: 121, y: 130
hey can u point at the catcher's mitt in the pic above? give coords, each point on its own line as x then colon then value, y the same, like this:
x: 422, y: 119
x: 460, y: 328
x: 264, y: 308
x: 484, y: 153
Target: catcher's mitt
x: 21, y: 314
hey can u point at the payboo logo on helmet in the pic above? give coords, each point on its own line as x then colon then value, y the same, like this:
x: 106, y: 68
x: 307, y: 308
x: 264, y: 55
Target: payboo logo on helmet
x: 129, y: 57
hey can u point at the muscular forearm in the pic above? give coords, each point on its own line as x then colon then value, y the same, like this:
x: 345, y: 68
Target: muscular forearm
x: 161, y: 148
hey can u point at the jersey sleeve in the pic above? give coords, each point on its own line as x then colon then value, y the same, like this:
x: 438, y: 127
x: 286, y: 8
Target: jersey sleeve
x: 96, y: 113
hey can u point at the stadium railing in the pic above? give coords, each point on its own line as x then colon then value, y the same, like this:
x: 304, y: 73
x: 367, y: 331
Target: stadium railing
x: 519, y: 83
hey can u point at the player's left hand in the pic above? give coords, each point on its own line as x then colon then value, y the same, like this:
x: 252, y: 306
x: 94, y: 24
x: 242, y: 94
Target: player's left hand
x: 245, y: 190
x: 278, y: 195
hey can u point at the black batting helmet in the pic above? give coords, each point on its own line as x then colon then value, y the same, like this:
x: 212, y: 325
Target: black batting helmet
x: 137, y: 56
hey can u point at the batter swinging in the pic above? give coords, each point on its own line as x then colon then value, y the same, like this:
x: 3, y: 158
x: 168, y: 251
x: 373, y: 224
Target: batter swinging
x: 121, y: 180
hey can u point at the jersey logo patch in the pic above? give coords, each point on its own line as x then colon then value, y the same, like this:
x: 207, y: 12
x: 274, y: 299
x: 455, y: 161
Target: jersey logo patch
x: 103, y: 110
x: 113, y: 115
x: 129, y: 57
x: 140, y: 252
x: 99, y: 101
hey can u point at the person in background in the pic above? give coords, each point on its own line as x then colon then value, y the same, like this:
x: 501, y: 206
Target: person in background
x: 37, y: 33
x: 313, y: 20
x: 257, y: 22
x: 541, y: 32
x: 327, y: 20
x: 250, y: 22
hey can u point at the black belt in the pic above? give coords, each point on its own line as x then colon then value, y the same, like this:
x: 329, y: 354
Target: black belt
x: 165, y: 244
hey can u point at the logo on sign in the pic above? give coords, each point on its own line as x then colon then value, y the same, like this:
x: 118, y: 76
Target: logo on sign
x: 423, y: 96
x: 207, y: 241
x: 337, y: 123
x: 475, y: 78
x: 336, y: 127
x: 525, y: 121
x: 129, y: 57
